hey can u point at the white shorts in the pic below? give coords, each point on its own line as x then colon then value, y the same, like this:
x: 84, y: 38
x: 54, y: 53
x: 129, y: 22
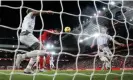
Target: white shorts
x: 104, y: 59
x: 28, y: 40
x: 106, y: 52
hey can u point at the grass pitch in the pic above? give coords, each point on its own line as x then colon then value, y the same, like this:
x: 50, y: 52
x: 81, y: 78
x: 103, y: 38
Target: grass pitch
x: 67, y: 75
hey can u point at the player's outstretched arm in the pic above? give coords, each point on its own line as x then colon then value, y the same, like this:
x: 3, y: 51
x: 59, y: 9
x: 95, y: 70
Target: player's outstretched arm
x: 36, y: 12
x: 56, y: 31
x: 116, y: 42
x: 120, y: 44
x: 42, y: 12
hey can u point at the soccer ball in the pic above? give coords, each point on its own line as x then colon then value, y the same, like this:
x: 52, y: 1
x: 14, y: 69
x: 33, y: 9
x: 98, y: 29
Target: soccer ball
x: 67, y: 29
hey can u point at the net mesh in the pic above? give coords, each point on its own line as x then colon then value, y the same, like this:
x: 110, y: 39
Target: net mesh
x: 82, y: 34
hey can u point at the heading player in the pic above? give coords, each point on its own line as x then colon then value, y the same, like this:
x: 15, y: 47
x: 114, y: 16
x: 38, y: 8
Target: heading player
x: 43, y: 38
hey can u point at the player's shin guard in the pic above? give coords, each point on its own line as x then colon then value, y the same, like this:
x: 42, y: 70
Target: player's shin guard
x: 31, y: 63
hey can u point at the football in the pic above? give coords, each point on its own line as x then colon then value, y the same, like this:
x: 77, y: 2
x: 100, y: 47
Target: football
x: 67, y: 29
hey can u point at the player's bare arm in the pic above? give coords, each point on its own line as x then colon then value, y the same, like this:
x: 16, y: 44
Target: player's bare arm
x: 42, y: 12
x: 120, y: 44
x: 116, y: 42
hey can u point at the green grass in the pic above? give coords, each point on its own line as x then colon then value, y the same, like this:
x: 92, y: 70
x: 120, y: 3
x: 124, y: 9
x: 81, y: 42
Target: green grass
x: 61, y: 75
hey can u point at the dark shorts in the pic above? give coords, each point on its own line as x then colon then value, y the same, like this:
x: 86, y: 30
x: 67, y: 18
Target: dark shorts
x: 36, y: 46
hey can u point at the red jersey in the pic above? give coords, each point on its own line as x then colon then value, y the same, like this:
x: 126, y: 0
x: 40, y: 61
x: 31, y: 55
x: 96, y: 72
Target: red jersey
x: 44, y: 36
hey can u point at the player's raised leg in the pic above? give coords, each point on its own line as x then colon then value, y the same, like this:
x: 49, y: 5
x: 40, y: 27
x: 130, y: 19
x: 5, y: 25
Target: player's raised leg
x: 104, y: 60
x: 27, y: 37
x: 33, y: 54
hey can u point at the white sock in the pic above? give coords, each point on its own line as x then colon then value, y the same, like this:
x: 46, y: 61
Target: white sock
x: 31, y: 63
x: 107, y: 64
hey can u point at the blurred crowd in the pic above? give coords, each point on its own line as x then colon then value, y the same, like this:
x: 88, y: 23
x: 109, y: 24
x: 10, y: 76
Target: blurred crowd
x: 84, y: 63
x: 117, y: 62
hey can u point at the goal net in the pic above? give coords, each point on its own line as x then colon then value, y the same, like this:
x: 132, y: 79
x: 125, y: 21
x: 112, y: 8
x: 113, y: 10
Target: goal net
x: 98, y: 47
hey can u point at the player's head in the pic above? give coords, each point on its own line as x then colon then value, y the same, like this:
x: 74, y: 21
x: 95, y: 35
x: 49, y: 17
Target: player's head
x: 103, y: 30
x: 57, y: 30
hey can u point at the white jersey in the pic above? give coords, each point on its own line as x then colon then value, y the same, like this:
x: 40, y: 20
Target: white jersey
x: 103, y: 39
x: 28, y: 23
x: 51, y: 62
